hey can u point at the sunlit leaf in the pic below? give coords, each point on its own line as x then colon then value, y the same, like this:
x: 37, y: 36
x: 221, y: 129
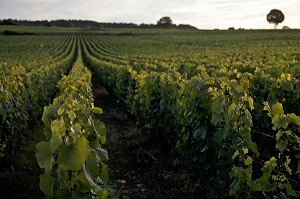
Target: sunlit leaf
x: 73, y: 156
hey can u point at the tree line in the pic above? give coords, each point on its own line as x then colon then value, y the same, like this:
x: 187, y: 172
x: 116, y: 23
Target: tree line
x: 162, y: 23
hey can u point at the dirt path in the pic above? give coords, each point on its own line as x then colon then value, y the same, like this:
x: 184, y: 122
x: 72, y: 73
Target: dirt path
x: 138, y: 173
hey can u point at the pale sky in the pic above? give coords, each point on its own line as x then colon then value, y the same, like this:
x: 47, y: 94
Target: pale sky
x: 204, y: 14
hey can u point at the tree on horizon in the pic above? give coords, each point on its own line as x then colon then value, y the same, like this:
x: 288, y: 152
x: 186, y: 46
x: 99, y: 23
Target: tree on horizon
x: 275, y: 16
x: 165, y: 22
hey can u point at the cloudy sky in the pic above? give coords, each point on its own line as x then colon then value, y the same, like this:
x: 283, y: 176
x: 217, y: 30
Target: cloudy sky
x: 204, y: 14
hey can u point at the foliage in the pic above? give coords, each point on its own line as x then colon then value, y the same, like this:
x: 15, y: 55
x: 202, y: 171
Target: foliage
x: 73, y: 155
x: 165, y: 22
x: 225, y: 102
x: 25, y: 86
x: 275, y: 16
x: 210, y: 113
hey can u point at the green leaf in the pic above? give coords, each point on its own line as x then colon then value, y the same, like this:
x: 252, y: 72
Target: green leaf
x: 270, y: 187
x: 289, y: 190
x: 286, y: 165
x: 251, y: 102
x: 245, y: 151
x: 58, y: 126
x: 92, y: 167
x: 55, y: 142
x: 279, y: 134
x: 76, y: 130
x: 218, y: 137
x: 232, y: 109
x: 104, y: 176
x: 103, y: 194
x: 217, y: 107
x: 100, y: 130
x: 89, y: 178
x: 43, y: 156
x: 49, y: 112
x: 248, y: 161
x: 216, y: 118
x: 236, y: 153
x: 267, y: 108
x: 256, y: 186
x: 46, y: 184
x: 101, y: 154
x: 294, y: 119
x: 73, y: 156
x: 269, y: 166
x: 82, y: 182
x: 60, y: 111
x: 254, y: 149
x: 78, y: 195
x: 64, y: 178
x: 282, y: 144
x: 277, y: 109
x: 280, y: 121
x: 98, y: 110
x: 72, y: 115
x: 273, y: 162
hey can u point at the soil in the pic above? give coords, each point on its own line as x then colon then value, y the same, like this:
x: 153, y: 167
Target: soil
x: 20, y: 172
x: 138, y: 172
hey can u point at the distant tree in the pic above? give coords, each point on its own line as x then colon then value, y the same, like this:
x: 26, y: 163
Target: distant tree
x: 286, y: 28
x: 275, y: 17
x: 165, y: 22
x: 10, y: 22
x: 48, y: 24
x: 186, y: 26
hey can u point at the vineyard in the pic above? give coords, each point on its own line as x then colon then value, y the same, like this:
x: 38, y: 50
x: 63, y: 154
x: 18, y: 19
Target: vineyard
x: 224, y: 106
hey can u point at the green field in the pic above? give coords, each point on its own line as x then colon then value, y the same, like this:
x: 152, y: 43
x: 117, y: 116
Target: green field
x: 37, y: 29
x: 225, y: 103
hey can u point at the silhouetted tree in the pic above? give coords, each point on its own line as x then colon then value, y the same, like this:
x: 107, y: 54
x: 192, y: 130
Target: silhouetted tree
x: 165, y: 22
x: 286, y: 28
x: 275, y: 17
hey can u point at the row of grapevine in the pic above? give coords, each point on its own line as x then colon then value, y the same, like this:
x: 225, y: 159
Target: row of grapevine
x: 28, y: 80
x: 218, y: 116
x: 73, y: 155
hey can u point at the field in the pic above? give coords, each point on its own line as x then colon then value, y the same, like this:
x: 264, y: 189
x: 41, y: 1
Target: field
x: 222, y: 106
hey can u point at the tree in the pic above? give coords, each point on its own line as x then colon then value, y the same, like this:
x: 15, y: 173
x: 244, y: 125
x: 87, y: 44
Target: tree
x: 286, y: 28
x: 275, y: 17
x: 165, y: 22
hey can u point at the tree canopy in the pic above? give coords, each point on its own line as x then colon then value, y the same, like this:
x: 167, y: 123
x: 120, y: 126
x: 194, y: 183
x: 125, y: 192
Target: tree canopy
x: 275, y: 16
x: 165, y: 22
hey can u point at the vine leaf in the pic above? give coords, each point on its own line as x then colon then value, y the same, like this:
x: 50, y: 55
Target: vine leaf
x: 277, y: 109
x: 101, y: 154
x: 46, y: 184
x: 98, y: 110
x: 43, y: 156
x: 294, y: 119
x: 280, y: 121
x: 74, y: 155
x: 248, y: 161
x: 58, y: 126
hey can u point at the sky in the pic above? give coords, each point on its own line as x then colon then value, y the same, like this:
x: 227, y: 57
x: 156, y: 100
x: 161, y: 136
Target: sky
x: 203, y: 14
